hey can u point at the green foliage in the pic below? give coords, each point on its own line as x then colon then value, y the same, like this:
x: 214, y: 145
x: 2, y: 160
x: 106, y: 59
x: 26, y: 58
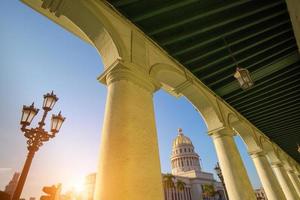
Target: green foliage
x: 208, y: 190
x: 168, y: 180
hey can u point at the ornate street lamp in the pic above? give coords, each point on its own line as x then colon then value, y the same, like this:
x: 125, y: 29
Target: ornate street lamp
x: 220, y: 175
x: 36, y: 136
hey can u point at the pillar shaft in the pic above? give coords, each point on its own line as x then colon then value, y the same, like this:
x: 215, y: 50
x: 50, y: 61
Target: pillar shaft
x: 235, y: 176
x: 129, y: 166
x: 267, y: 177
x: 284, y: 181
x: 295, y: 181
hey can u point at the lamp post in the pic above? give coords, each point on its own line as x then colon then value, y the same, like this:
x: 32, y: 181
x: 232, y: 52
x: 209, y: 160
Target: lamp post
x: 36, y: 136
x: 220, y: 175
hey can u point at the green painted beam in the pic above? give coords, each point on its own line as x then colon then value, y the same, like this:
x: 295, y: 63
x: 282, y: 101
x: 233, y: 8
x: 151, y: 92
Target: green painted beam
x: 222, y: 6
x: 277, y: 111
x: 242, y: 39
x: 285, y: 83
x: 285, y: 126
x: 273, y: 99
x: 167, y: 8
x: 276, y: 115
x: 286, y: 137
x: 274, y: 121
x: 282, y: 136
x: 287, y: 132
x: 291, y: 68
x: 218, y: 24
x: 266, y: 99
x: 232, y: 65
x: 245, y: 48
x: 258, y: 74
x: 271, y: 107
x: 270, y: 118
x: 124, y: 2
x: 220, y: 36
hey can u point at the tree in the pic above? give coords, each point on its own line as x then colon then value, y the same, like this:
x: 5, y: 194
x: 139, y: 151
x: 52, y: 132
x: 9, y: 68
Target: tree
x: 168, y: 183
x: 180, y: 186
x: 208, y: 190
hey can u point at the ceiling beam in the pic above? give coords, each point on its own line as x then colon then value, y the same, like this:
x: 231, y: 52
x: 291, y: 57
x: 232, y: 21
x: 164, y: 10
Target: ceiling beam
x: 283, y: 126
x: 270, y: 79
x: 270, y: 118
x: 167, y: 8
x: 278, y: 120
x: 295, y: 130
x: 233, y: 65
x: 274, y: 95
x: 270, y: 107
x: 215, y: 61
x: 222, y: 6
x: 242, y: 39
x: 220, y: 36
x: 258, y: 74
x: 124, y: 3
x: 222, y: 22
x: 276, y: 112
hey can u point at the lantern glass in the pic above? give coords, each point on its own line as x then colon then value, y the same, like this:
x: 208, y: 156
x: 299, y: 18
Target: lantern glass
x: 56, y: 122
x: 49, y: 101
x: 243, y: 77
x: 28, y: 113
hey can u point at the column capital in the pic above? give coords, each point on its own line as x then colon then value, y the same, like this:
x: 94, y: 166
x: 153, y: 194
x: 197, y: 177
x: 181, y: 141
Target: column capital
x: 221, y: 132
x: 123, y: 71
x: 276, y: 164
x: 255, y: 154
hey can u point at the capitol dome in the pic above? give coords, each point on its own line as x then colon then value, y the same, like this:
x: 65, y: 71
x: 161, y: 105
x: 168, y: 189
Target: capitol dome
x: 184, y: 159
x: 181, y: 139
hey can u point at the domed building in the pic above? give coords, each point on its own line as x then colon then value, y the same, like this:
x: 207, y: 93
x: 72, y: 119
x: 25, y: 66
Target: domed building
x: 186, y: 168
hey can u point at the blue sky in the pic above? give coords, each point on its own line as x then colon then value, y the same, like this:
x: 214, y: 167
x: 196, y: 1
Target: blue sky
x: 37, y: 56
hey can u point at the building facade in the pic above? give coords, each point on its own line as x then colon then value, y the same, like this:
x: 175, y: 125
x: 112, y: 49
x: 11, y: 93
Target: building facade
x: 186, y: 168
x: 260, y: 194
x: 10, y: 188
x: 90, y: 182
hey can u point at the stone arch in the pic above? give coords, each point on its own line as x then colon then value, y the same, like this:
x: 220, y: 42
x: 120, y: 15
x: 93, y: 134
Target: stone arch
x: 245, y: 131
x: 177, y: 82
x: 88, y: 23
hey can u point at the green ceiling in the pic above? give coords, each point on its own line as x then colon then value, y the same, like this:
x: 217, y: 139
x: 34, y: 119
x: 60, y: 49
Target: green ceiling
x: 260, y: 36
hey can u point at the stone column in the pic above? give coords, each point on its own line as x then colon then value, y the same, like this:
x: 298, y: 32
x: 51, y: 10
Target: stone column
x: 267, y: 177
x: 284, y: 181
x: 235, y: 176
x: 129, y: 165
x: 295, y: 181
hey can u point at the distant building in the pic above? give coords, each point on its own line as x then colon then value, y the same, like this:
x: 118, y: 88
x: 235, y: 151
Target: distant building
x: 186, y: 168
x: 90, y: 182
x: 260, y: 194
x: 10, y: 188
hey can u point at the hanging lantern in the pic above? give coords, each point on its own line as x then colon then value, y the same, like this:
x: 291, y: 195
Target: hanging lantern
x: 244, y: 78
